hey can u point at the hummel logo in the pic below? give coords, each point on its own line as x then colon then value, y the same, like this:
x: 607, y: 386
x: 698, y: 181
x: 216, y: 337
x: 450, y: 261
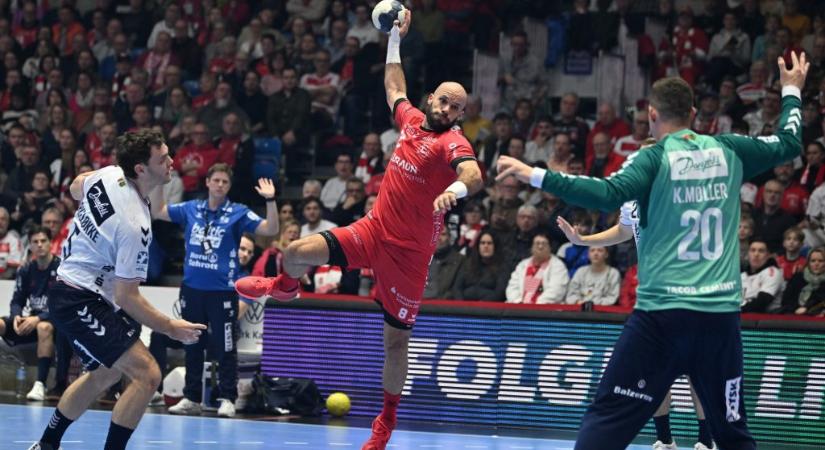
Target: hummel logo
x: 93, y: 324
x: 144, y: 241
x: 145, y: 231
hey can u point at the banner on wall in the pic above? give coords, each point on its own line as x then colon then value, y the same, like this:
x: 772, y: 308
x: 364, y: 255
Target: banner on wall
x: 520, y: 372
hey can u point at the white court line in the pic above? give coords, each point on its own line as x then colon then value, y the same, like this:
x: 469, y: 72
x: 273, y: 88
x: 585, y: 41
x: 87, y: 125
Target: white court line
x: 205, y: 442
x: 430, y: 446
x: 158, y: 442
x: 341, y: 444
x: 475, y: 446
x: 295, y: 443
x: 521, y: 447
x: 251, y: 442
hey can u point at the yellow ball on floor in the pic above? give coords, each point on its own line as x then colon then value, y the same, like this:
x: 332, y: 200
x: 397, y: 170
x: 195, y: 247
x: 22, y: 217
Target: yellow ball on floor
x: 338, y: 404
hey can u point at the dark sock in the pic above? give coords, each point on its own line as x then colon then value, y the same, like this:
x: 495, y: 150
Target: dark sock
x: 704, y: 434
x: 663, y: 428
x: 390, y: 406
x: 118, y: 437
x: 43, y: 365
x: 55, y: 429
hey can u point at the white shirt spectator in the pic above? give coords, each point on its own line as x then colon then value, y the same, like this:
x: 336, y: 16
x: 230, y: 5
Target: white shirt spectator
x: 552, y: 281
x: 533, y: 152
x: 323, y: 225
x: 388, y: 140
x: 365, y: 33
x: 11, y: 251
x: 313, y: 81
x: 768, y: 280
x: 333, y: 192
x: 589, y: 286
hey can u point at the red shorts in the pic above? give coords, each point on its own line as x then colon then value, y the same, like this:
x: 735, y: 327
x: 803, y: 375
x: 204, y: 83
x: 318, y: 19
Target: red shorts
x: 400, y: 274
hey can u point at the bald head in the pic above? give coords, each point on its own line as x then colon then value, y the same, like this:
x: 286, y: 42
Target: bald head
x: 445, y: 106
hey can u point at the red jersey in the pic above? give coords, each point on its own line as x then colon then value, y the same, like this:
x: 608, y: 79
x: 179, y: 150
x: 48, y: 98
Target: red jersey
x: 791, y: 266
x: 794, y: 200
x: 422, y: 166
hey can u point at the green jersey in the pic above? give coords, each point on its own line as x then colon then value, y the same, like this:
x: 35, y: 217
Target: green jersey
x: 687, y: 187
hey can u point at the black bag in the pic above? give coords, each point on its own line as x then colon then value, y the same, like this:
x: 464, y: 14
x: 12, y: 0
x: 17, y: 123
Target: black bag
x: 276, y: 395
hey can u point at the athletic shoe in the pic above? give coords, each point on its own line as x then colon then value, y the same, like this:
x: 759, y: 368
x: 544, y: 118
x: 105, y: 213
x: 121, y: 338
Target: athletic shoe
x: 157, y: 399
x: 38, y: 392
x: 256, y: 287
x: 701, y: 446
x: 381, y: 431
x: 41, y: 446
x: 55, y: 393
x: 659, y: 445
x: 227, y: 408
x: 186, y: 407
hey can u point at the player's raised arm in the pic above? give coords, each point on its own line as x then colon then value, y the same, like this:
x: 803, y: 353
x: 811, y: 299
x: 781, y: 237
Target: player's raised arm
x: 614, y: 235
x: 394, y: 81
x: 160, y: 210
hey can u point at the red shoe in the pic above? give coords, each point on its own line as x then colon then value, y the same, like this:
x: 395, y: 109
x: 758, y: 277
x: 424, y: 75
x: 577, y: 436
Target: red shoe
x: 381, y: 431
x: 256, y: 287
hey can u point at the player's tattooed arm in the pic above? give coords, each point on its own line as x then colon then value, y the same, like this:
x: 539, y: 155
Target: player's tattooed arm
x: 394, y: 81
x: 76, y: 188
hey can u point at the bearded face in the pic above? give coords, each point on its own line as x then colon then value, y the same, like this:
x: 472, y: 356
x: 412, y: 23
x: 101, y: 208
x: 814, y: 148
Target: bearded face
x: 438, y: 121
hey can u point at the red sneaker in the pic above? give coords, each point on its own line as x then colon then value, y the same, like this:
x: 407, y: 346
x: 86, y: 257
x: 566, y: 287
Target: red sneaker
x: 256, y: 287
x: 381, y: 431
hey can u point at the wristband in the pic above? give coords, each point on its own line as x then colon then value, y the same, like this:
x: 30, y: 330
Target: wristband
x: 537, y: 177
x: 270, y: 199
x: 394, y: 47
x: 791, y: 90
x: 458, y: 188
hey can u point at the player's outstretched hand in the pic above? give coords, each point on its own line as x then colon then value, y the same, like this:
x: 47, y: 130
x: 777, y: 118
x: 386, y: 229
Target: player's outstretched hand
x: 797, y: 73
x: 265, y: 188
x: 186, y: 332
x: 445, y: 202
x: 508, y: 166
x: 572, y: 235
x: 402, y: 26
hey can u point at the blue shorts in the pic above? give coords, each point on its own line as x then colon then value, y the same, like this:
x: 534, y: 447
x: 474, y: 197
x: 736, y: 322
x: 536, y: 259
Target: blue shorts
x: 98, y: 333
x: 654, y: 349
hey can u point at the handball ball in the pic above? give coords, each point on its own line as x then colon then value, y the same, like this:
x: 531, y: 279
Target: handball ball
x: 338, y: 404
x: 386, y: 12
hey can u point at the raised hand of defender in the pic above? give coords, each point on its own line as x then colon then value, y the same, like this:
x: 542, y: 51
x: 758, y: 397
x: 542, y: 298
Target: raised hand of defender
x: 572, y: 235
x: 186, y: 332
x: 402, y: 27
x: 508, y: 166
x: 265, y: 188
x: 445, y: 202
x: 797, y: 73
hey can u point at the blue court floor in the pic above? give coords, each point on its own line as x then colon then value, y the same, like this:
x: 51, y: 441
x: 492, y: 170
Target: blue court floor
x: 20, y: 425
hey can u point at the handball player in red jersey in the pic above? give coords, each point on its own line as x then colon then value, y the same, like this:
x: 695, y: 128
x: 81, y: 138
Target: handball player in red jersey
x: 398, y: 237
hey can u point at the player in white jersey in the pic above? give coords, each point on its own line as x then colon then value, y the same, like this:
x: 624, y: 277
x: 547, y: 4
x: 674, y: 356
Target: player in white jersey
x: 96, y: 302
x: 628, y: 227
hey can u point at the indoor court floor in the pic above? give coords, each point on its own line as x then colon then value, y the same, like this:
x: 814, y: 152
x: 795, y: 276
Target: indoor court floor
x: 21, y: 425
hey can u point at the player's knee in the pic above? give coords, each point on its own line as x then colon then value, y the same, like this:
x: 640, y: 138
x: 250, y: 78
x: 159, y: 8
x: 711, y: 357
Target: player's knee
x: 151, y: 377
x: 45, y: 329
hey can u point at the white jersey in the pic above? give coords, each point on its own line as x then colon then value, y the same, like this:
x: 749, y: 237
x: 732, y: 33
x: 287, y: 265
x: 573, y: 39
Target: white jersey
x: 110, y: 235
x: 768, y: 280
x: 629, y: 217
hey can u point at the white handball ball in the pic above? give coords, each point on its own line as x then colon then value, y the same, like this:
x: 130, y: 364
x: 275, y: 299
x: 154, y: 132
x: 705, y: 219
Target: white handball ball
x: 386, y: 12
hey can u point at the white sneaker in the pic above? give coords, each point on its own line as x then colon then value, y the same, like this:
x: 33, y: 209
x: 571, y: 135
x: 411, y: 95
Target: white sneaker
x: 659, y: 445
x: 157, y: 399
x: 186, y: 407
x: 701, y: 446
x: 227, y: 408
x: 38, y: 392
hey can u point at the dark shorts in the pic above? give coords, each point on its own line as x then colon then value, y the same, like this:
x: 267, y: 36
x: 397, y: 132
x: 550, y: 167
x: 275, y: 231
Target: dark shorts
x: 400, y: 274
x: 12, y: 338
x: 98, y: 333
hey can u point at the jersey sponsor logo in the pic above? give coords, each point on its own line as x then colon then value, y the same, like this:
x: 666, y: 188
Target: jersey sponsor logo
x: 769, y: 139
x: 407, y: 169
x: 215, y: 236
x: 626, y: 392
x: 697, y: 165
x: 99, y: 203
x: 142, y: 259
x: 252, y: 216
x: 732, y: 392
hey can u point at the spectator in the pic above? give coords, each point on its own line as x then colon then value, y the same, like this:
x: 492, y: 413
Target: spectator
x: 206, y: 90
x: 523, y: 118
x: 363, y: 29
x: 770, y: 220
x: 237, y: 150
x: 271, y: 261
x: 520, y: 242
x: 103, y: 155
x: 476, y: 127
x: 311, y: 188
x: 304, y: 58
x: 799, y: 24
x: 805, y: 292
x: 444, y: 267
x: 709, y: 119
x: 175, y: 106
x: 575, y: 256
x: 603, y: 162
x: 28, y: 319
x: 596, y: 283
x: 791, y: 260
x: 313, y: 221
x: 193, y: 161
x: 473, y: 224
x: 156, y: 60
x: 496, y: 144
x: 371, y: 160
x: 336, y: 41
x: 730, y: 50
x: 608, y: 123
x: 745, y: 234
x: 761, y: 281
x: 562, y: 154
x: 32, y: 204
x: 64, y: 32
x: 768, y: 114
x: 811, y: 120
x: 626, y: 145
x: 483, y: 276
x: 794, y: 197
x: 334, y: 189
x: 540, y: 278
x: 20, y: 178
x: 287, y: 115
x: 253, y: 102
x: 688, y: 51
x: 814, y: 173
x: 212, y: 114
x: 569, y: 123
x: 11, y: 247
x: 124, y: 109
x: 521, y: 76
x: 352, y: 207
x: 540, y: 147
x: 324, y: 88
x: 754, y: 90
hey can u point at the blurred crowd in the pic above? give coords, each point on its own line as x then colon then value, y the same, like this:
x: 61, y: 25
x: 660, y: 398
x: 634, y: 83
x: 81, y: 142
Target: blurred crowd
x: 223, y: 79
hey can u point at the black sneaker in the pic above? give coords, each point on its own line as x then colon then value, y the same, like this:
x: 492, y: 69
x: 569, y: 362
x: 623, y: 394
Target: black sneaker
x: 55, y: 393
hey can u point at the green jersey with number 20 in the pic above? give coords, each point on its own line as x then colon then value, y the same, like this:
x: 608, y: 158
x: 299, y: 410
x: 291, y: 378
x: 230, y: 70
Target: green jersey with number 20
x: 687, y: 186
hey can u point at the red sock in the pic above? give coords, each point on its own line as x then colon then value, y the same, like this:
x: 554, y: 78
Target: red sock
x: 286, y: 283
x: 390, y: 406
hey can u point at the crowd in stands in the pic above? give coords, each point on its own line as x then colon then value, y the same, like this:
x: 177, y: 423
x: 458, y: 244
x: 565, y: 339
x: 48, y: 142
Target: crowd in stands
x: 218, y: 77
